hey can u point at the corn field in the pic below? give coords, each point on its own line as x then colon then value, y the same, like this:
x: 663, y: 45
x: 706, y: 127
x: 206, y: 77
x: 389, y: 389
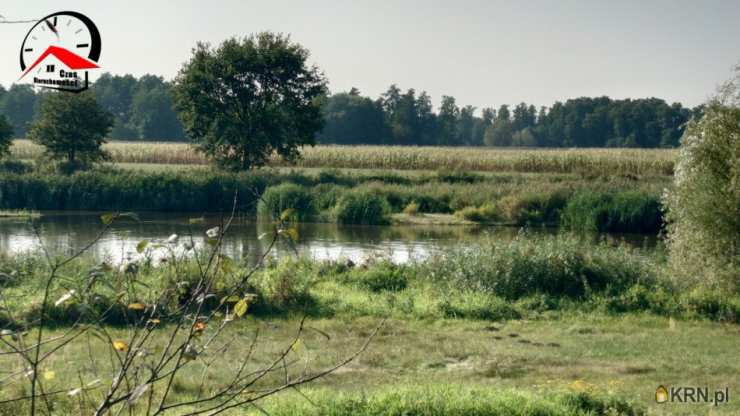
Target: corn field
x: 586, y: 161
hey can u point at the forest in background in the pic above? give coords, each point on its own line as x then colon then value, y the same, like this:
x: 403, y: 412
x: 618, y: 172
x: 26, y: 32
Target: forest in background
x: 143, y: 110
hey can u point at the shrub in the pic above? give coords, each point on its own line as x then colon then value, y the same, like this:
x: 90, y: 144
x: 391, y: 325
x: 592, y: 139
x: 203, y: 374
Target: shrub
x: 412, y: 208
x: 622, y: 212
x: 533, y: 208
x: 358, y: 207
x: 703, y: 208
x: 284, y: 286
x: 277, y: 199
x: 484, y: 213
x: 384, y: 276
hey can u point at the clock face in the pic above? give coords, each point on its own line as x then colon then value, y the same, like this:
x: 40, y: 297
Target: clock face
x: 69, y: 30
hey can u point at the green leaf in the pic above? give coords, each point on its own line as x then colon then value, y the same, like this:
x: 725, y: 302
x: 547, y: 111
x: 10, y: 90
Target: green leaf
x: 142, y: 246
x: 107, y: 218
x: 241, y: 308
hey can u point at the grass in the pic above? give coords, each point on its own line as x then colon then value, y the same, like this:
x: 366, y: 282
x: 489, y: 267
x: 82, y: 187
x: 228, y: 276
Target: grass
x: 586, y: 161
x: 541, y: 325
x: 555, y: 365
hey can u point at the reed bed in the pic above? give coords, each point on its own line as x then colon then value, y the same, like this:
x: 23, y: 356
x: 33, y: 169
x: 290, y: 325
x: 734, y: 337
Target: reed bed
x: 586, y: 161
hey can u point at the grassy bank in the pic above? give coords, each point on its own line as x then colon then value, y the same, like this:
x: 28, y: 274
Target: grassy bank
x: 586, y: 161
x: 550, y: 325
x: 528, y: 277
x: 600, y: 203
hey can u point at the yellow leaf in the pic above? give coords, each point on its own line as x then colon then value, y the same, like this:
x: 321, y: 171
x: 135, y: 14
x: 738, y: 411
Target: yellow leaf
x: 241, y: 308
x: 49, y: 375
x: 285, y: 215
x: 120, y: 346
x: 141, y: 246
x: 153, y: 322
x: 107, y: 218
x: 230, y: 299
x: 137, y: 306
x: 297, y: 345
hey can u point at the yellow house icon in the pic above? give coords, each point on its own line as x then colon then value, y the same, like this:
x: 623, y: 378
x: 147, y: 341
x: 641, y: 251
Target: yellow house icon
x: 661, y: 394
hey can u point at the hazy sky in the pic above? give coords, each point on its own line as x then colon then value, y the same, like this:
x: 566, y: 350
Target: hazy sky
x: 484, y: 53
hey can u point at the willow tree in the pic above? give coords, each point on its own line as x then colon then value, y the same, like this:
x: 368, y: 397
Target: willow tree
x: 249, y: 98
x: 704, y: 204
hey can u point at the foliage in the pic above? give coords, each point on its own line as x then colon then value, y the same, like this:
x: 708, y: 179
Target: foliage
x: 704, y: 204
x: 629, y: 211
x: 248, y: 98
x: 287, y: 196
x: 6, y: 136
x: 72, y: 127
x: 362, y: 207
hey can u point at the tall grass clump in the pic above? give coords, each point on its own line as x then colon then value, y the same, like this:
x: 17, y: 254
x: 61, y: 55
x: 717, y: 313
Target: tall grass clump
x: 704, y: 203
x: 629, y: 211
x: 287, y: 196
x: 559, y: 266
x: 362, y: 207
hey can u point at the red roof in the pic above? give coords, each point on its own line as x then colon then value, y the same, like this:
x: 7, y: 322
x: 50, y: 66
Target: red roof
x: 71, y: 59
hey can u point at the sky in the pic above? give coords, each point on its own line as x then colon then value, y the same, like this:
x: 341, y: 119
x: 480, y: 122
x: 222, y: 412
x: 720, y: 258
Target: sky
x: 483, y: 53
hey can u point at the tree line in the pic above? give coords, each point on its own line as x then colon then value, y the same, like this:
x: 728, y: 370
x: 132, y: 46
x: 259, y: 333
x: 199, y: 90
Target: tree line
x: 143, y: 110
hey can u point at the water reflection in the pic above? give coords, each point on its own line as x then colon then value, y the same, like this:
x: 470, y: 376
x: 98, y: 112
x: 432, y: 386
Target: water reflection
x: 65, y: 233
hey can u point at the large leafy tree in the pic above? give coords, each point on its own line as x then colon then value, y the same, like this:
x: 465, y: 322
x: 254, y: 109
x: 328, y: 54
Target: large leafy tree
x: 249, y: 98
x: 72, y: 128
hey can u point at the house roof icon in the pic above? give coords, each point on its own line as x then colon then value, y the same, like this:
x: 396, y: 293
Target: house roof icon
x: 72, y: 60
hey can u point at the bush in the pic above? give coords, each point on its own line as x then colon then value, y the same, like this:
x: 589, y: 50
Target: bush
x: 362, y: 207
x: 277, y: 199
x: 485, y: 213
x: 384, y: 276
x: 630, y: 211
x: 533, y: 208
x: 284, y: 287
x: 703, y: 208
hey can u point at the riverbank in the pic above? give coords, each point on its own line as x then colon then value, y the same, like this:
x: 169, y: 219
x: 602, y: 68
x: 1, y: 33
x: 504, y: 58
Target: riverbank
x: 549, y: 325
x: 612, y: 203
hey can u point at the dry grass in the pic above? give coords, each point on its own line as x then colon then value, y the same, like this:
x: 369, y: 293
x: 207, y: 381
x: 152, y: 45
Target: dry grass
x: 587, y: 161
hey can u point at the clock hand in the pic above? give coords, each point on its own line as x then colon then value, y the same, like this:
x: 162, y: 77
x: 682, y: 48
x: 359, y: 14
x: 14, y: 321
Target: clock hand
x: 53, y: 28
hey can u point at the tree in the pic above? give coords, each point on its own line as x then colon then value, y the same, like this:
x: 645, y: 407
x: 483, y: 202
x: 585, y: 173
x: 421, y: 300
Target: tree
x: 18, y: 105
x: 6, y: 136
x: 704, y: 203
x: 72, y: 127
x: 115, y: 94
x: 353, y: 119
x: 500, y: 133
x: 152, y: 113
x: 249, y: 98
x: 447, y: 122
